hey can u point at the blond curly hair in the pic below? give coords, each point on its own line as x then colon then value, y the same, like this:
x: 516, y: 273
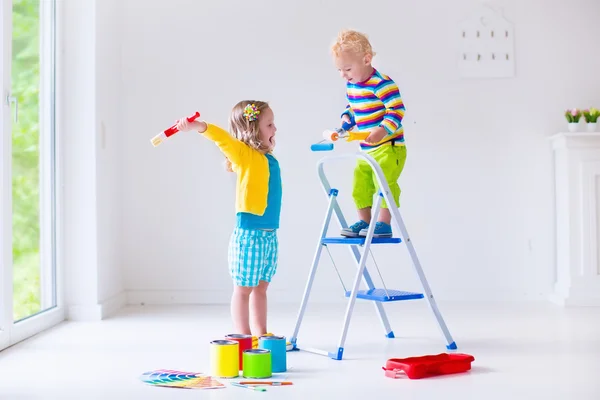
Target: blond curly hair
x: 352, y: 41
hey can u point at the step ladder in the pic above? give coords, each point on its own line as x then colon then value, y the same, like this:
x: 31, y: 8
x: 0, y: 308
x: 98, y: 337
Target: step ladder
x: 378, y: 296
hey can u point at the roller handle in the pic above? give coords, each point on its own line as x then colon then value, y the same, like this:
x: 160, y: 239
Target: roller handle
x: 333, y: 136
x: 358, y: 135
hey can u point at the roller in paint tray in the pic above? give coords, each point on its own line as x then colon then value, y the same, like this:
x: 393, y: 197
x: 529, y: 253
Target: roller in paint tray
x: 224, y: 359
x: 257, y: 364
x: 277, y: 346
x: 429, y: 365
x: 245, y: 343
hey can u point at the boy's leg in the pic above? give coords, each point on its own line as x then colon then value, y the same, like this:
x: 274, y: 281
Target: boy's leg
x: 269, y: 254
x: 362, y: 194
x: 363, y: 187
x: 391, y: 159
x: 243, y: 268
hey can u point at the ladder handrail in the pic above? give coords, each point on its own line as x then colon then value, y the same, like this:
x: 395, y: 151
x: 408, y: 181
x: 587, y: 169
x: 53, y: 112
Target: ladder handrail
x: 383, y: 186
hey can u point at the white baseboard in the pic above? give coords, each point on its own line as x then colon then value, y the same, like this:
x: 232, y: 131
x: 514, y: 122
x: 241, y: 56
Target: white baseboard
x: 113, y: 304
x: 97, y: 312
x: 580, y: 293
x: 574, y: 301
x: 168, y: 297
x: 294, y: 297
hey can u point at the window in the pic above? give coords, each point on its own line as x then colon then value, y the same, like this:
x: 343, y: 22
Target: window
x: 28, y: 235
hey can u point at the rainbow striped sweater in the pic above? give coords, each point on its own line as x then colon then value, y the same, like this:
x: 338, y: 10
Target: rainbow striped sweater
x: 376, y: 102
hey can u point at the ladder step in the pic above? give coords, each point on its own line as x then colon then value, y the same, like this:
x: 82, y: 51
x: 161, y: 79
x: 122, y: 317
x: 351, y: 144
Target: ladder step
x: 359, y: 240
x: 382, y: 295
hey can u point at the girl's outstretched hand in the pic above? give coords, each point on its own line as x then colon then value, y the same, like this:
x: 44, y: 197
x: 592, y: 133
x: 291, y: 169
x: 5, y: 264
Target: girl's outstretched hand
x: 183, y: 125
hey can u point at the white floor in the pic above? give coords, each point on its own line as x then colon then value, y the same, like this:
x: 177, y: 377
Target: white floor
x: 531, y: 351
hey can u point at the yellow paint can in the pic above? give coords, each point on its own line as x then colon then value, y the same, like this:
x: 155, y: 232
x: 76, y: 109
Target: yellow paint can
x: 224, y: 359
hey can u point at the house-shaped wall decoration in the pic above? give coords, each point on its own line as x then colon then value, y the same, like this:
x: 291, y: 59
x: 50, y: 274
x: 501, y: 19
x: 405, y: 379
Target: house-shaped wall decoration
x: 486, y: 46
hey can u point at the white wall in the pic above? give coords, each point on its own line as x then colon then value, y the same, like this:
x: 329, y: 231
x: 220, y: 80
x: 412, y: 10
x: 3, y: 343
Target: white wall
x: 76, y: 107
x: 109, y: 150
x: 89, y: 131
x: 477, y: 187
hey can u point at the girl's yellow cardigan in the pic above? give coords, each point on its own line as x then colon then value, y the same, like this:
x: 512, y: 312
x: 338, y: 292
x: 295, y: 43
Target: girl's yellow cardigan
x: 251, y: 166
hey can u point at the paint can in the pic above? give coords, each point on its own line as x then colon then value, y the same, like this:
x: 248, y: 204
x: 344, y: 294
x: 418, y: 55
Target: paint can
x: 278, y: 351
x: 245, y: 343
x: 224, y: 359
x: 257, y: 364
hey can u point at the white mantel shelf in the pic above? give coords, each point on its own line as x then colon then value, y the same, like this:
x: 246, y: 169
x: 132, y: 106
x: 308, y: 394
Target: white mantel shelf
x: 575, y: 138
x: 577, y: 192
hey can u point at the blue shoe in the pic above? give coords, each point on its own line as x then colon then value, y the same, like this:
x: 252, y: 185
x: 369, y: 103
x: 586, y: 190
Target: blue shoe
x: 381, y: 230
x: 354, y: 230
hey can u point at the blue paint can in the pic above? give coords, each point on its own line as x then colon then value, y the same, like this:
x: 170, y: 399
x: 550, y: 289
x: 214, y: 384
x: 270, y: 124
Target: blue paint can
x: 278, y: 351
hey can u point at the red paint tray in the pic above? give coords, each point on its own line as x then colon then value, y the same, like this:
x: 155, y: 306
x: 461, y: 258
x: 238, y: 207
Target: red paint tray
x: 426, y: 366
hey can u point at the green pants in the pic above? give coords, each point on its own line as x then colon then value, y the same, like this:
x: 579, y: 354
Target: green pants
x: 391, y: 159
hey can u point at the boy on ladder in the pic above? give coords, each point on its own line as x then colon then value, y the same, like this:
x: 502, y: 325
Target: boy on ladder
x: 375, y: 105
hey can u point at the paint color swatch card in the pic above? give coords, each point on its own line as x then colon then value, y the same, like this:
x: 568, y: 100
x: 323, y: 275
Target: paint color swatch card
x: 180, y: 379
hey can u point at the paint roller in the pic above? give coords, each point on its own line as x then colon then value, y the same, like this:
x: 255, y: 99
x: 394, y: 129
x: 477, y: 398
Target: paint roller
x: 344, y: 132
x: 164, y: 135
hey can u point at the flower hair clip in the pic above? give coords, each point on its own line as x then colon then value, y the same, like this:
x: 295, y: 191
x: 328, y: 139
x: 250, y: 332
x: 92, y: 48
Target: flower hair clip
x: 251, y: 112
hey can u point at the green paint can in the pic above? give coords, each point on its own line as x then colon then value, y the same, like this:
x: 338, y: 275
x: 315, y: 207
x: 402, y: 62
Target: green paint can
x: 257, y: 364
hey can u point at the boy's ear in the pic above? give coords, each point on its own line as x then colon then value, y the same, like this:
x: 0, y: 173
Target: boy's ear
x: 368, y: 59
